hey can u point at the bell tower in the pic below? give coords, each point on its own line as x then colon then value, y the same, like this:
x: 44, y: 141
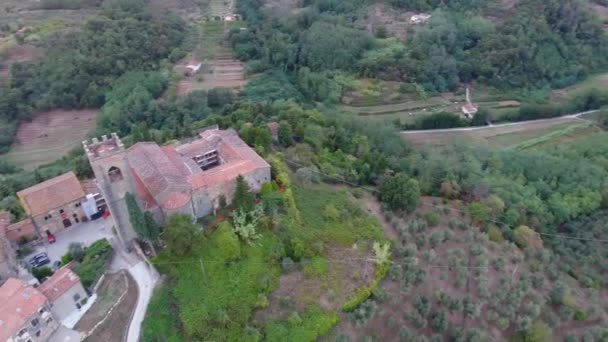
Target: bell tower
x: 108, y: 160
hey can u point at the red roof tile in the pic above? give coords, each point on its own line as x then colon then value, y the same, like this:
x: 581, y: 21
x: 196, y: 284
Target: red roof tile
x: 51, y: 194
x: 18, y: 302
x: 59, y: 283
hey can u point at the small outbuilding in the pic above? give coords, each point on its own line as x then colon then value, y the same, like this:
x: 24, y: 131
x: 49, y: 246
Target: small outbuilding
x: 64, y: 292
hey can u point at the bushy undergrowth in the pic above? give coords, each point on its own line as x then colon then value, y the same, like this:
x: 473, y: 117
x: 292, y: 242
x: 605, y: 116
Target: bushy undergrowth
x: 310, y: 326
x: 93, y: 263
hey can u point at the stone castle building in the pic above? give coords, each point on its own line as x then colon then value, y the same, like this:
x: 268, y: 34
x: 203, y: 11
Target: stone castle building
x: 190, y: 178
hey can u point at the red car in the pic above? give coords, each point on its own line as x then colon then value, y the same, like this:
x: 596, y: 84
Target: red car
x: 50, y: 237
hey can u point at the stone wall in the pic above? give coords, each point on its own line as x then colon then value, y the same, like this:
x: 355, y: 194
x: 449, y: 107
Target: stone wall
x: 53, y: 221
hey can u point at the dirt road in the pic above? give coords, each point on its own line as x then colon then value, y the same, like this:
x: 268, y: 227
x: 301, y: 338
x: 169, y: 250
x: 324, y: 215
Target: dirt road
x: 576, y: 116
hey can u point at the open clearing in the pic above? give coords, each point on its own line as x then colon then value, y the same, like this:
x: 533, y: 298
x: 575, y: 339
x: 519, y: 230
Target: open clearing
x: 49, y: 136
x: 109, y: 317
x: 504, y: 136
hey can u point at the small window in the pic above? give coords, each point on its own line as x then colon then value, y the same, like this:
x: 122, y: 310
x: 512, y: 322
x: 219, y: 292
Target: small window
x: 41, y: 311
x: 61, y: 211
x: 75, y: 215
x: 49, y: 320
x: 46, y: 218
x: 35, y: 322
x: 50, y: 216
x: 23, y: 331
x: 77, y: 205
x: 76, y: 297
x: 38, y: 333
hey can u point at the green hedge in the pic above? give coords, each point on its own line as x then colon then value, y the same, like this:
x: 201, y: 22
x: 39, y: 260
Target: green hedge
x: 93, y: 263
x: 365, y: 292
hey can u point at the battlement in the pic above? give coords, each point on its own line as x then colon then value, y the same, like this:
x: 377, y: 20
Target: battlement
x: 102, y: 148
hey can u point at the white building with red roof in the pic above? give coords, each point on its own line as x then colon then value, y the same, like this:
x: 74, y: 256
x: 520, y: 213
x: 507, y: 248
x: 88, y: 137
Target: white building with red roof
x: 24, y: 313
x: 64, y: 292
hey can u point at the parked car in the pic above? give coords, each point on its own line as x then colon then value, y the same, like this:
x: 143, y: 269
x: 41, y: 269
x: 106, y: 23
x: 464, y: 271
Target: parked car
x: 40, y: 260
x: 56, y: 265
x: 50, y: 237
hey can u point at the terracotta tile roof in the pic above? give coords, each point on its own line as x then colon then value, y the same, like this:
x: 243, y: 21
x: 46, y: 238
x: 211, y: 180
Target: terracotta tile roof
x: 59, y: 283
x: 18, y: 302
x: 18, y: 229
x: 155, y: 169
x: 89, y: 186
x: 53, y: 193
x: 176, y: 200
x: 168, y: 174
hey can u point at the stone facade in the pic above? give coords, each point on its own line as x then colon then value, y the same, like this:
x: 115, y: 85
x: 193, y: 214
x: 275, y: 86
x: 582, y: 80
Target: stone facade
x: 8, y: 262
x: 25, y: 313
x: 189, y: 178
x: 55, y: 204
x: 59, y: 218
x: 22, y: 231
x: 108, y: 161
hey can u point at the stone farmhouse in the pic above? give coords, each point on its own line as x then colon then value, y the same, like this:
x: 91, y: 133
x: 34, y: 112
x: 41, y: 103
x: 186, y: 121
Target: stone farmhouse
x: 191, y: 178
x: 24, y: 313
x: 54, y: 204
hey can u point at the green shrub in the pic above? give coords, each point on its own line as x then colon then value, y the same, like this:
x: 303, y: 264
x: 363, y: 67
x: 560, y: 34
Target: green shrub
x: 66, y: 258
x: 360, y: 296
x: 317, y: 267
x: 432, y: 219
x: 495, y: 234
x: 287, y: 264
x: 42, y: 272
x: 313, y: 324
x: 93, y: 263
x: 227, y: 242
x: 580, y: 316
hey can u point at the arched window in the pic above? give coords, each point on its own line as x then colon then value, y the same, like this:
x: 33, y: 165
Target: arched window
x: 114, y: 174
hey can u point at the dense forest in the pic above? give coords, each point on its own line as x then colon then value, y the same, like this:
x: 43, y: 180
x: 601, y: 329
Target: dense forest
x: 81, y: 67
x: 546, y: 43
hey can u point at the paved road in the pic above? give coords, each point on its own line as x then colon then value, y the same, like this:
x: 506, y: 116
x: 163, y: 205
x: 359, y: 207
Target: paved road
x: 146, y: 278
x: 465, y: 129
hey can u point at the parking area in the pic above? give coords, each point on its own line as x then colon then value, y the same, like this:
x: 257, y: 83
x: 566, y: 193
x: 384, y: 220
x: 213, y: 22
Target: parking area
x: 85, y: 233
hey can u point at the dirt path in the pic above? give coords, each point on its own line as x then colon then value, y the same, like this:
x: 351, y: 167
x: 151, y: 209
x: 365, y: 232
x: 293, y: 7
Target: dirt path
x: 373, y: 207
x: 521, y: 124
x: 108, y: 318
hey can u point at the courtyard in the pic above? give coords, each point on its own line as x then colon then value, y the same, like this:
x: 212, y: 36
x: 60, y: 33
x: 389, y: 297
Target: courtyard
x: 85, y: 233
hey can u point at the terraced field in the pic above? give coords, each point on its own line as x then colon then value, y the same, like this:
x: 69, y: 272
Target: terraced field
x: 219, y: 67
x: 50, y: 136
x: 524, y: 135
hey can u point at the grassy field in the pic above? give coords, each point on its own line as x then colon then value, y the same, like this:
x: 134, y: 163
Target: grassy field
x: 509, y: 136
x: 253, y: 289
x: 599, y: 81
x: 50, y: 136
